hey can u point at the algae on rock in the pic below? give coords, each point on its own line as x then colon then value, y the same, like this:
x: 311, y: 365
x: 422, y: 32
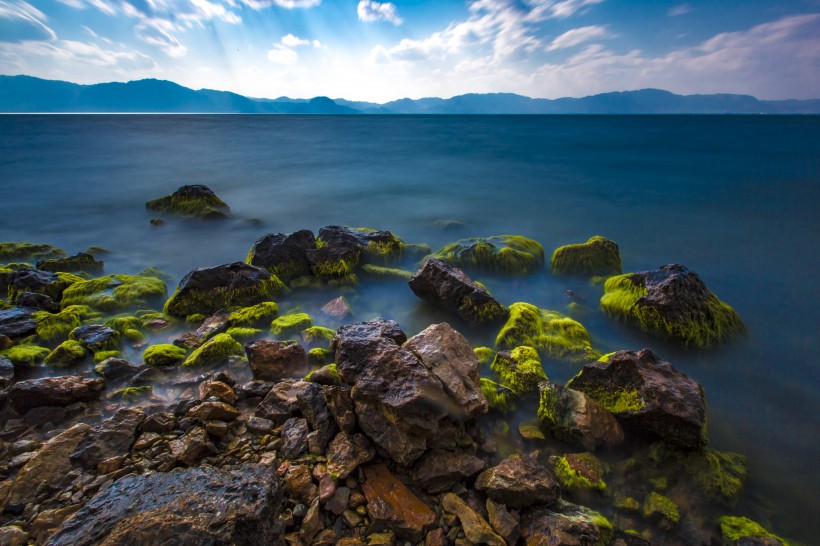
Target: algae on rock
x: 164, y: 354
x: 214, y: 351
x: 115, y: 292
x: 505, y: 254
x: 598, y: 256
x: 193, y: 201
x: 519, y: 369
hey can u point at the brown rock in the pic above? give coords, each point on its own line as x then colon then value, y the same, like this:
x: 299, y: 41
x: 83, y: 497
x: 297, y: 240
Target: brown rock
x: 338, y: 502
x: 503, y: 522
x: 438, y: 471
x: 311, y: 523
x: 346, y: 452
x: 215, y: 324
x: 299, y: 484
x: 391, y: 506
x: 340, y: 403
x: 111, y: 437
x: 476, y: 528
x: 13, y: 536
x: 213, y: 411
x: 54, y: 391
x: 337, y: 308
x: 571, y: 526
x: 275, y: 360
x: 436, y: 537
x: 218, y: 389
x: 574, y: 417
x: 159, y: 422
x: 189, y: 448
x: 519, y: 481
x: 47, y: 522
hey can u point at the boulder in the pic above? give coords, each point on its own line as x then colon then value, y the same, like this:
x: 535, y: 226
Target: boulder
x: 109, y: 438
x: 54, y: 391
x: 504, y: 254
x: 579, y: 471
x: 196, y: 507
x: 742, y: 531
x: 475, y: 527
x: 566, y: 525
x: 598, y: 256
x: 649, y: 397
x: 438, y: 471
x: 23, y: 250
x: 207, y: 290
x: 280, y: 401
x: 17, y: 322
x: 33, y: 300
x: 66, y: 354
x: 6, y: 372
x: 283, y: 255
x: 275, y: 360
x: 96, y: 337
x: 116, y: 292
x: 671, y: 303
x: 519, y: 481
x: 519, y: 370
x: 340, y: 403
x: 193, y: 201
x: 81, y: 262
x: 346, y: 452
x: 450, y: 288
x: 164, y: 354
x: 27, y: 279
x: 575, y: 418
x: 391, y: 506
x: 214, y: 351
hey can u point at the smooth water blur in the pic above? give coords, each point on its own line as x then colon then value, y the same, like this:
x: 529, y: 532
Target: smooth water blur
x: 734, y: 198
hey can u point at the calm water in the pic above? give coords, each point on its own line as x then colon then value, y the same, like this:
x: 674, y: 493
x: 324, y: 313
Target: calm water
x: 733, y: 198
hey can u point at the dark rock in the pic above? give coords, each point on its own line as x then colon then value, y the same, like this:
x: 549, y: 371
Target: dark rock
x: 649, y: 397
x: 17, y: 322
x: 438, y: 471
x: 72, y: 264
x: 116, y: 368
x: 196, y: 507
x: 37, y: 281
x: 253, y: 389
x: 519, y: 481
x: 6, y: 372
x: 338, y: 502
x: 275, y: 360
x: 159, y: 422
x: 280, y: 402
x: 215, y: 324
x: 95, y: 337
x: 33, y: 300
x: 54, y: 391
x: 284, y: 255
x: 44, y: 414
x: 189, y: 341
x: 208, y: 390
x: 574, y: 417
x: 568, y: 526
x: 112, y: 437
x: 208, y: 290
x: 214, y: 411
x: 393, y: 507
x: 259, y: 425
x: 193, y: 201
x: 5, y: 342
x: 11, y: 535
x: 452, y: 289
x: 340, y: 403
x: 294, y: 433
x: 598, y: 256
x: 311, y: 402
x: 346, y: 452
x: 504, y: 523
x: 189, y: 448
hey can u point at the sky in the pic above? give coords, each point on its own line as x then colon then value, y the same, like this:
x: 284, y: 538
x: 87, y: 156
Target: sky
x: 380, y: 51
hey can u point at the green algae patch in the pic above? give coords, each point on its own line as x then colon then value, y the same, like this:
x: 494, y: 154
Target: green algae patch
x: 598, y: 256
x: 243, y: 333
x: 253, y: 315
x: 329, y: 372
x: 214, y: 351
x: 626, y: 503
x: 318, y: 335
x: 502, y: 254
x: 290, y: 324
x: 719, y: 475
x: 499, y: 397
x: 66, y: 354
x: 657, y: 506
x: 386, y: 249
x: 55, y: 328
x: 130, y: 393
x: 553, y: 334
x: 113, y: 293
x: 386, y: 273
x: 193, y: 202
x: 25, y: 354
x: 99, y: 356
x: 319, y: 356
x: 734, y: 528
x: 519, y: 369
x: 128, y: 326
x: 23, y: 250
x: 485, y: 355
x: 579, y: 471
x: 163, y: 354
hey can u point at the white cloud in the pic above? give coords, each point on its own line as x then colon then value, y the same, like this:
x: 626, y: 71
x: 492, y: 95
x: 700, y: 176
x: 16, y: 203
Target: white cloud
x: 681, y: 9
x: 281, y: 54
x: 577, y: 36
x: 293, y: 41
x: 370, y: 11
x: 157, y: 32
x: 289, y: 4
x: 20, y: 21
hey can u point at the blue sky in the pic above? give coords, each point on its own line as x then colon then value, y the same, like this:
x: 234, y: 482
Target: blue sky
x: 379, y: 51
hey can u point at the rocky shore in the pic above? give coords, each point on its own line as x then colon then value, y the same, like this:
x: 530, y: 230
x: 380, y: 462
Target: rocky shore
x: 216, y: 415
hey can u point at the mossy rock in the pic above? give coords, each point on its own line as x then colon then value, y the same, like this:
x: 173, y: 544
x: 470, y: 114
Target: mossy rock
x: 662, y: 509
x: 287, y: 325
x: 551, y: 333
x: 320, y: 357
x: 23, y: 250
x: 243, y: 333
x: 318, y: 335
x: 156, y: 273
x: 485, y: 355
x: 671, y: 303
x: 283, y: 255
x: 79, y: 262
x: 214, y: 351
x: 386, y: 273
x: 194, y: 201
x: 253, y: 315
x: 129, y: 393
x: 47, y: 283
x: 579, y: 471
x: 55, y: 327
x: 164, y: 354
x: 499, y: 397
x: 598, y: 256
x: 25, y: 354
x: 519, y: 369
x: 502, y: 254
x: 66, y: 354
x: 719, y: 475
x: 100, y: 356
x: 326, y: 375
x: 113, y: 293
x: 735, y: 528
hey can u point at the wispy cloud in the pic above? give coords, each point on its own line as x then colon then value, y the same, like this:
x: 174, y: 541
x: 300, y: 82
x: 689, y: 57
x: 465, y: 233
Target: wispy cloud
x: 289, y: 4
x: 370, y: 11
x: 681, y: 9
x: 20, y: 21
x: 578, y: 36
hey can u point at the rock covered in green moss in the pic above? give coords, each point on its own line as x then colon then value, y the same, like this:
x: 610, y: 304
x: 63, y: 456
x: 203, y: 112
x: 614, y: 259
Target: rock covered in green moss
x: 291, y: 324
x: 672, y: 303
x: 242, y: 333
x: 67, y: 353
x: 566, y: 523
x: 55, y: 327
x: 662, y: 509
x: 649, y: 397
x: 340, y: 249
x: 485, y: 355
x: 551, y: 333
x: 452, y: 289
x: 79, y: 262
x: 128, y: 393
x: 27, y: 279
x: 207, y: 290
x: 253, y: 315
x: 386, y: 273
x: 735, y: 528
x: 519, y: 369
x: 499, y: 397
x: 720, y: 475
x: 326, y: 375
x: 100, y: 356
x: 116, y: 292
x: 214, y: 351
x: 24, y: 250
x: 193, y: 201
x: 283, y: 255
x: 598, y: 256
x: 25, y: 354
x: 504, y: 254
x: 318, y: 336
x: 575, y: 418
x: 164, y: 354
x: 319, y: 356
x: 579, y: 471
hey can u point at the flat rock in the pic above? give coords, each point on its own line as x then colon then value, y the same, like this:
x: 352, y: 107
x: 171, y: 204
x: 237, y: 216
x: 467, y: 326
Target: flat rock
x: 111, y: 437
x: 189, y: 448
x: 574, y: 417
x: 339, y: 400
x: 54, y: 391
x: 284, y: 255
x: 214, y: 324
x: 214, y: 411
x: 34, y: 280
x: 392, y: 506
x: 476, y: 528
x: 276, y: 360
x: 95, y: 337
x: 32, y: 300
x: 6, y: 372
x: 17, y: 322
x: 564, y: 527
x: 519, y: 481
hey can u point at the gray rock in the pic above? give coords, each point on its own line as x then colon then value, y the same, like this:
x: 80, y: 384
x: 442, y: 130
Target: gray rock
x: 6, y: 372
x: 17, y: 322
x: 95, y: 337
x: 215, y: 324
x: 311, y: 402
x: 294, y: 433
x: 54, y: 391
x: 438, y: 471
x: 116, y: 368
x: 32, y: 300
x: 112, y: 437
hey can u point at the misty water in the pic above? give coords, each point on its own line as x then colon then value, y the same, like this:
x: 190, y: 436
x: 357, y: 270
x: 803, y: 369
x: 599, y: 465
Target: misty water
x: 734, y: 198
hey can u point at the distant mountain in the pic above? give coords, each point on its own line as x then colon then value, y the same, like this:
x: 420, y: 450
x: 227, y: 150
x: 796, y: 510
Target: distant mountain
x: 26, y: 94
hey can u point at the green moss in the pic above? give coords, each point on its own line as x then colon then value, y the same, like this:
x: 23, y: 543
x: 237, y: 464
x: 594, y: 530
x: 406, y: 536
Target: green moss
x: 55, y: 328
x: 555, y: 335
x: 29, y: 251
x: 67, y: 353
x: 163, y: 354
x: 381, y: 252
x: 656, y: 505
x: 25, y: 354
x: 598, y: 256
x: 290, y: 324
x: 520, y: 369
x: 221, y: 297
x: 128, y: 326
x: 156, y: 273
x: 509, y: 254
x: 253, y: 315
x: 329, y: 370
x: 717, y: 474
x: 149, y: 317
x: 243, y: 333
x: 605, y: 529
x: 334, y: 268
x: 570, y: 478
x: 99, y: 356
x: 319, y: 356
x: 386, y: 273
x: 734, y: 528
x: 192, y: 202
x: 131, y: 392
x: 485, y: 355
x: 305, y: 282
x: 616, y: 401
x: 79, y: 262
x: 660, y: 483
x: 346, y: 281
x: 115, y: 292
x: 499, y: 397
x: 626, y: 503
x: 214, y: 351
x: 416, y: 251
x: 318, y: 335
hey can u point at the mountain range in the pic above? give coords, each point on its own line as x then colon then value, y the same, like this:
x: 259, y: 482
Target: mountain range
x: 26, y: 94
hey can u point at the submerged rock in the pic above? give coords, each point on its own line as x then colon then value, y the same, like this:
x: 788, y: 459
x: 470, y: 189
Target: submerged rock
x: 194, y: 201
x: 742, y: 531
x: 283, y: 255
x: 452, y: 289
x: 79, y: 262
x: 649, y: 397
x: 337, y: 308
x: 197, y: 507
x: 47, y: 283
x: 598, y: 256
x: 509, y: 254
x: 519, y: 481
x: 54, y: 391
x: 574, y: 417
x: 23, y: 250
x: 33, y: 300
x: 672, y: 303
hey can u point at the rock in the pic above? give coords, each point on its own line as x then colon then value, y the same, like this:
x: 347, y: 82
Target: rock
x: 507, y: 254
x: 519, y: 482
x: 39, y: 282
x: 113, y: 293
x: 189, y: 448
x: 569, y: 525
x: 80, y: 262
x: 208, y: 290
x: 290, y: 325
x: 280, y: 402
x: 116, y: 368
x: 16, y: 323
x: 742, y: 531
x: 48, y: 521
x: 6, y: 372
x: 598, y: 256
x: 283, y: 255
x: 275, y: 360
x: 96, y: 337
x: 579, y: 471
x: 294, y: 433
x: 438, y: 471
x: 213, y: 352
x: 112, y: 437
x: 346, y: 452
x: 338, y: 308
x: 44, y: 414
x: 519, y: 370
x: 214, y: 324
x: 311, y: 402
x: 299, y: 484
x: 214, y: 411
x: 452, y: 289
x: 551, y: 333
x: 719, y: 475
x: 340, y: 249
x: 23, y: 250
x: 54, y: 391
x: 327, y: 374
x: 503, y: 522
x: 340, y: 403
x: 575, y: 418
x: 476, y: 528
x: 189, y: 341
x: 672, y: 303
x: 49, y: 469
x: 66, y: 354
x: 193, y: 201
x: 662, y: 509
x: 436, y: 537
x: 196, y: 506
x: 13, y: 536
x: 33, y: 300
x: 338, y: 502
x: 391, y: 506
x: 311, y: 523
x: 650, y: 398
x: 217, y: 389
x: 5, y: 342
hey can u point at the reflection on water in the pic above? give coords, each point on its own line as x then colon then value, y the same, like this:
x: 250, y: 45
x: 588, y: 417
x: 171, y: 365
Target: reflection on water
x: 733, y: 198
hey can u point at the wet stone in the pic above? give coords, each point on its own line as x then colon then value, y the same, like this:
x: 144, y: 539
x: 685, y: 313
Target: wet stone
x: 189, y: 448
x: 159, y: 422
x: 346, y: 452
x: 294, y: 433
x: 213, y: 411
x: 299, y: 484
x: 392, y: 506
x: 112, y: 437
x: 275, y: 360
x: 259, y: 425
x: 519, y: 481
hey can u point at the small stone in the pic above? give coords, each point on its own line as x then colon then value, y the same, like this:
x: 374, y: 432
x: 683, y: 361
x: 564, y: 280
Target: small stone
x: 337, y: 308
x: 275, y: 360
x: 13, y: 536
x: 159, y: 422
x: 190, y: 447
x: 111, y: 464
x: 519, y: 481
x: 215, y: 324
x: 217, y: 429
x: 337, y: 503
x: 259, y: 425
x: 503, y: 522
x: 351, y: 518
x: 310, y: 523
x: 294, y: 433
x: 381, y: 539
x: 220, y: 390
x: 327, y: 488
x: 346, y: 452
x: 299, y: 484
x: 436, y: 537
x: 214, y: 411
